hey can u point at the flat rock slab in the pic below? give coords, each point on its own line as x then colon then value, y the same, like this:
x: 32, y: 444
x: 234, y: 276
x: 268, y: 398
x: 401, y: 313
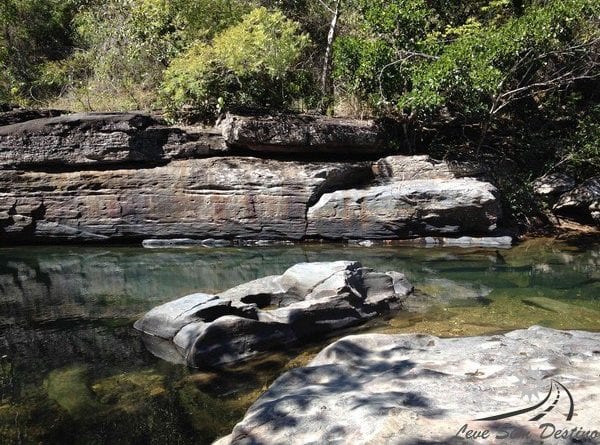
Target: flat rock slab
x: 518, y: 388
x: 305, y: 134
x: 101, y: 139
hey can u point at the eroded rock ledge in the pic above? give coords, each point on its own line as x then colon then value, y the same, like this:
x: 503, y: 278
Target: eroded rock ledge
x: 127, y: 177
x: 409, y: 389
x: 308, y: 300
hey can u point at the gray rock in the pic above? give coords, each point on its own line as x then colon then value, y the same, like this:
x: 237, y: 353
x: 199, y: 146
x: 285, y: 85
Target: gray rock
x: 85, y: 139
x: 231, y: 339
x: 233, y: 197
x: 308, y: 300
x: 404, y: 209
x: 304, y: 134
x: 553, y: 185
x: 406, y: 168
x: 302, y: 279
x: 194, y: 142
x: 264, y: 291
x: 581, y: 202
x: 16, y: 115
x: 409, y: 389
x: 167, y: 319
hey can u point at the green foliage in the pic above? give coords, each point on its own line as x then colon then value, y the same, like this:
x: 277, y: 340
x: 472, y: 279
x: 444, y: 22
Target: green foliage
x: 249, y: 64
x: 583, y: 152
x: 32, y: 33
x: 127, y: 44
x: 366, y: 61
x: 488, y: 66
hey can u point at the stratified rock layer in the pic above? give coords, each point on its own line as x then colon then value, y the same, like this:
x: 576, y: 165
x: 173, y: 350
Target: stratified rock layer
x: 521, y: 387
x: 215, y: 197
x: 309, y: 299
x: 129, y: 177
x: 305, y: 135
x: 101, y: 139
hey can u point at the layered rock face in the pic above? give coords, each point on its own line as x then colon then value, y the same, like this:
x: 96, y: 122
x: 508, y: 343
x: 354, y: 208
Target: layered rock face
x: 521, y: 387
x: 212, y: 197
x: 127, y: 177
x: 273, y: 312
x: 99, y: 139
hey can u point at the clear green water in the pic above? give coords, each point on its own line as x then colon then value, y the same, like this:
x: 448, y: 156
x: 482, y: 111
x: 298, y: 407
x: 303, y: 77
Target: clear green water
x: 72, y: 369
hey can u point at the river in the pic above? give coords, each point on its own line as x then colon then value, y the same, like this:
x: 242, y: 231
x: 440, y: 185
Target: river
x: 73, y: 370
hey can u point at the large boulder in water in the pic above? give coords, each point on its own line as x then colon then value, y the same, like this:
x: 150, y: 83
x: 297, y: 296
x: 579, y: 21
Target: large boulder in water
x: 308, y: 300
x: 407, y: 208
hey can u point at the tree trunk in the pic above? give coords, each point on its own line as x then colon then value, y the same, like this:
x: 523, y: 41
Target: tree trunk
x: 326, y: 81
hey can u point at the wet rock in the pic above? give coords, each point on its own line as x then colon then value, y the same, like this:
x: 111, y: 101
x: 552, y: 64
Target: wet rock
x: 304, y: 134
x: 309, y: 299
x: 404, y: 209
x: 231, y: 339
x: 407, y: 389
x: 471, y: 241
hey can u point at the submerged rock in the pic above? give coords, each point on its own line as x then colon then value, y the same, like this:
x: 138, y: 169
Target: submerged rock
x: 409, y: 389
x: 309, y: 299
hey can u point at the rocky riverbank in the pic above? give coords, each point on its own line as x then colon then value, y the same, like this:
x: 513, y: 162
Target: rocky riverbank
x: 127, y: 177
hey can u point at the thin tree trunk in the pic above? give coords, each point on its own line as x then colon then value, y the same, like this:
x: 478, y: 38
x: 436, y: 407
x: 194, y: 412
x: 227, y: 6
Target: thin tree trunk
x: 326, y: 81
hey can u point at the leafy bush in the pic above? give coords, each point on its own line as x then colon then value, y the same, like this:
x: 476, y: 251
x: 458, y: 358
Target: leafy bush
x: 249, y: 64
x: 32, y: 33
x: 583, y: 153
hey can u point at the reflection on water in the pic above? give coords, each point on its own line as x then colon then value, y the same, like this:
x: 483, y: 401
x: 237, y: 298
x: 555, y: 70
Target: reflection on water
x: 72, y: 370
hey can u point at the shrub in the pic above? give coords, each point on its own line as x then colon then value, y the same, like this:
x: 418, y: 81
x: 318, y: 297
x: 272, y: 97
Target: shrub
x: 251, y: 64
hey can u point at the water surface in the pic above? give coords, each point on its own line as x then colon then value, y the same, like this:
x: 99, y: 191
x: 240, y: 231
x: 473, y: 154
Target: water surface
x: 72, y: 369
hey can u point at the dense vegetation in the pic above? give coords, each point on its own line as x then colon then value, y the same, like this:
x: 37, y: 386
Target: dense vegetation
x: 509, y: 81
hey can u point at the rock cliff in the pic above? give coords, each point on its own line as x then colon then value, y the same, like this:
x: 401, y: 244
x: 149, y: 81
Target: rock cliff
x: 129, y: 176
